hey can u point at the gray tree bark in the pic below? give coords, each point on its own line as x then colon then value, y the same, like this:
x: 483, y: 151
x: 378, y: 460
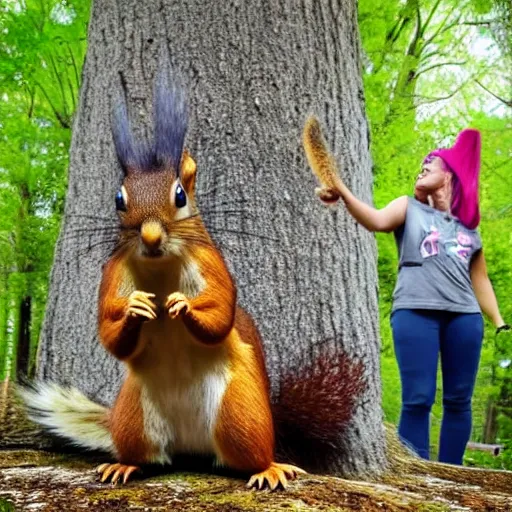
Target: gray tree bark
x: 253, y: 71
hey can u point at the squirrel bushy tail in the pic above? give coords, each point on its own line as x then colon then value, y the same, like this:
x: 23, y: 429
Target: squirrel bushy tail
x: 319, y: 157
x: 314, y: 406
x: 69, y: 414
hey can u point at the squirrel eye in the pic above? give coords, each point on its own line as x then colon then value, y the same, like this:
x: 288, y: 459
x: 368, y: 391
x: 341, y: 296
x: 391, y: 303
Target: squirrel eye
x: 180, y: 198
x: 120, y: 203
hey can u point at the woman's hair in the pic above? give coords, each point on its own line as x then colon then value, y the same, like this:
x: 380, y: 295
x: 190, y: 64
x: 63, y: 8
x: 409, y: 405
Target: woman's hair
x: 458, y: 207
x: 462, y: 160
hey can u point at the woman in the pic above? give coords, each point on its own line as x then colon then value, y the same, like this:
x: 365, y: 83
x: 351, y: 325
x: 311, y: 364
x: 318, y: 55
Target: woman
x: 441, y: 289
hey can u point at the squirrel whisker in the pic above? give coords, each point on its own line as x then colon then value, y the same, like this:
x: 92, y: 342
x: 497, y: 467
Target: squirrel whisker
x: 90, y: 235
x: 179, y: 221
x: 229, y: 202
x: 89, y: 247
x: 229, y: 212
x: 214, y: 188
x: 241, y: 232
x: 93, y: 217
x: 93, y: 229
x: 189, y: 236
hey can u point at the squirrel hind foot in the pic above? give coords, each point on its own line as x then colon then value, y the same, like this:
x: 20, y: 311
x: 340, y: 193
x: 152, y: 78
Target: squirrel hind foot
x: 276, y: 475
x: 116, y: 471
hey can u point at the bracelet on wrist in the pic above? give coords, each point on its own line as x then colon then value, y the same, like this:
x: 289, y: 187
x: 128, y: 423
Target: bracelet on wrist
x: 504, y: 327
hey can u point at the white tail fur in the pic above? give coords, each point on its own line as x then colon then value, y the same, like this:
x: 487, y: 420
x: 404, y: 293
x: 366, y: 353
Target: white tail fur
x: 68, y: 413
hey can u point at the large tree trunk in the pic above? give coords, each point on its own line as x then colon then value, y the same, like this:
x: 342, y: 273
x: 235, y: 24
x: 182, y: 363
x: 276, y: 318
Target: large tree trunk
x: 253, y: 71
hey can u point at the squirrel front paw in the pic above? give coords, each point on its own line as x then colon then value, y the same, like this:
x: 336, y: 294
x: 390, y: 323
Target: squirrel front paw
x: 141, y: 305
x: 177, y: 304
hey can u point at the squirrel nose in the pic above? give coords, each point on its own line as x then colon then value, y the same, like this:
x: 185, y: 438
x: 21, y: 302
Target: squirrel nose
x: 152, y: 234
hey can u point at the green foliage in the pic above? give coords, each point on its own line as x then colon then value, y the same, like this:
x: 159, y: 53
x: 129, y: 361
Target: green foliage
x: 432, y: 68
x: 41, y: 56
x: 6, y: 506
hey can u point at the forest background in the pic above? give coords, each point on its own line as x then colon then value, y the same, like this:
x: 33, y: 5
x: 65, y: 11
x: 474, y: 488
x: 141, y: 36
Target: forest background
x: 430, y: 68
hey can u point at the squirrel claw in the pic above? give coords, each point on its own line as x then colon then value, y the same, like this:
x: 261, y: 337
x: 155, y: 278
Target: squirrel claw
x: 102, y: 467
x: 274, y: 476
x: 116, y: 471
x: 140, y: 304
x: 177, y: 304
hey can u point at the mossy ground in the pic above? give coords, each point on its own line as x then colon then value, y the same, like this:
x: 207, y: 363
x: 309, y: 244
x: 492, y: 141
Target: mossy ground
x: 44, y: 481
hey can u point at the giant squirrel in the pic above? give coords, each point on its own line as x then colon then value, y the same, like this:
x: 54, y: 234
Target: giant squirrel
x: 196, y: 379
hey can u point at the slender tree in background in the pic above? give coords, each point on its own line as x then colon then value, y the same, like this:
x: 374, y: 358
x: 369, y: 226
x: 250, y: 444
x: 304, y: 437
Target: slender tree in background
x: 41, y: 54
x: 253, y: 70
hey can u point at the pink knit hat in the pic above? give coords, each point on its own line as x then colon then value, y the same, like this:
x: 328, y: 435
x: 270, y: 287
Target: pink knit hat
x: 463, y: 160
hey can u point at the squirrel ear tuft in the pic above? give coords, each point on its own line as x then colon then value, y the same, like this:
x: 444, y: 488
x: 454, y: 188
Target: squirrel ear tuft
x: 123, y: 139
x: 188, y: 172
x: 170, y: 119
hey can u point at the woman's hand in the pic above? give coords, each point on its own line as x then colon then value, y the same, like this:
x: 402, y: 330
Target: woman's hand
x: 327, y: 195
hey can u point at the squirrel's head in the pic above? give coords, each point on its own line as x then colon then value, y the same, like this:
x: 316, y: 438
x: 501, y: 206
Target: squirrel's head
x: 156, y: 202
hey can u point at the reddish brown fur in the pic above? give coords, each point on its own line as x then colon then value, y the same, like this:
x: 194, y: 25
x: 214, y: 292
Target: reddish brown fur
x: 321, y: 161
x: 212, y: 313
x: 315, y: 405
x: 148, y: 198
x: 127, y: 427
x: 118, y: 332
x: 244, y: 432
x: 249, y: 333
x: 188, y: 173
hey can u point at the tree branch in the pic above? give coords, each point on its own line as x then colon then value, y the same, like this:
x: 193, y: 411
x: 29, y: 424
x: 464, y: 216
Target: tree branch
x: 392, y: 35
x: 397, y: 28
x: 441, y: 64
x: 418, y: 18
x: 61, y: 86
x: 62, y: 120
x: 75, y: 67
x: 478, y: 23
x: 442, y: 27
x: 440, y: 98
x: 430, y: 16
x: 32, y: 96
x: 508, y: 103
x: 72, y: 92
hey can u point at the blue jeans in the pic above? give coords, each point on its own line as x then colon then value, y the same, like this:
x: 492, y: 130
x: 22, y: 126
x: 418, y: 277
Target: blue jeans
x: 419, y: 337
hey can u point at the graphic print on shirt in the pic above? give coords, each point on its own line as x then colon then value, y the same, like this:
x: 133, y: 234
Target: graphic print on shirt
x: 430, y: 244
x: 456, y: 243
x: 460, y: 247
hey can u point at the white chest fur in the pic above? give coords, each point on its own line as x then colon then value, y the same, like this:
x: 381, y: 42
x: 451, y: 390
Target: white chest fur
x: 183, y: 382
x: 181, y: 419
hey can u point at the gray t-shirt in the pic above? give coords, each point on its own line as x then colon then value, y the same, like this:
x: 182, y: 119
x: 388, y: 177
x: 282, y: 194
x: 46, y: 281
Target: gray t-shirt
x: 435, y: 252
